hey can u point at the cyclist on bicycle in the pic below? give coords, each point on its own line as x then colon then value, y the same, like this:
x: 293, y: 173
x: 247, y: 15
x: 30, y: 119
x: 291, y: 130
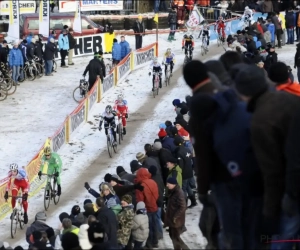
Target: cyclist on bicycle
x: 54, y: 167
x: 156, y: 68
x: 122, y: 110
x: 205, y: 32
x: 18, y: 179
x: 109, y: 120
x: 220, y: 27
x: 169, y: 58
x: 188, y: 44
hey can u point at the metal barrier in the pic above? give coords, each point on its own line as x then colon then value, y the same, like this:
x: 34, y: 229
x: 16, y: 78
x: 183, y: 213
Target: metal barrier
x: 211, y: 13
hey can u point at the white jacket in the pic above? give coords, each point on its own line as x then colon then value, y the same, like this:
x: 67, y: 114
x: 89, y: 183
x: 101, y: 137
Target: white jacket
x: 223, y: 5
x: 140, y: 227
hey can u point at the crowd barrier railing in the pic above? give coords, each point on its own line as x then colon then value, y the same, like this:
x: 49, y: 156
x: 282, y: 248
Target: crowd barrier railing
x: 135, y: 60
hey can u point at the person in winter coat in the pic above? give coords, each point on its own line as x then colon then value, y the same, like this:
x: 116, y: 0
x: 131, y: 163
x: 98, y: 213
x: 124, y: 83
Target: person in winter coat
x: 175, y: 213
x: 49, y: 53
x: 112, y: 201
x: 116, y: 52
x: 94, y: 69
x: 30, y: 50
x: 84, y: 238
x: 125, y: 48
x: 271, y: 58
x: 38, y: 49
x: 135, y: 166
x: 4, y: 51
x: 272, y: 30
x: 72, y: 44
x: 69, y: 227
x: 52, y: 35
x: 172, y: 21
x: 297, y: 61
x: 290, y: 25
x: 139, y: 31
x: 15, y: 61
x: 160, y: 201
x: 147, y: 161
x: 273, y: 115
x: 166, y: 141
x: 278, y: 28
x: 64, y: 46
x: 150, y: 196
x: 154, y: 155
x: 140, y: 226
x: 89, y: 209
x: 184, y: 158
x: 124, y: 175
x: 38, y: 225
x: 125, y: 219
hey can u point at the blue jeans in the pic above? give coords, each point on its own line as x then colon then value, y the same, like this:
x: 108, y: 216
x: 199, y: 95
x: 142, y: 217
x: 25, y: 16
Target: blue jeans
x: 290, y: 35
x: 48, y: 67
x: 152, y: 239
x: 15, y: 73
x: 159, y: 223
x: 289, y: 230
x: 186, y: 186
x: 239, y: 216
x: 156, y: 5
x: 172, y: 29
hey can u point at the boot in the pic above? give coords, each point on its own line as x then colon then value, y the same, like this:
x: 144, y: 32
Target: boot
x: 25, y: 218
x: 170, y: 38
x: 58, y: 190
x: 124, y: 131
x: 173, y: 38
x: 193, y: 201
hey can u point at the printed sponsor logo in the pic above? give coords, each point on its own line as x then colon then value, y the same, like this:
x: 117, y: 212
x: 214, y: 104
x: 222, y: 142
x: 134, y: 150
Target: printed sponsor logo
x: 108, y: 82
x: 124, y: 68
x: 92, y: 98
x: 77, y: 119
x: 143, y: 57
x: 59, y: 139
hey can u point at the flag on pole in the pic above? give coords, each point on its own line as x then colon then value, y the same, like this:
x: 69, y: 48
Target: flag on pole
x: 195, y: 19
x: 14, y: 19
x: 155, y: 19
x: 77, y: 19
x: 44, y: 18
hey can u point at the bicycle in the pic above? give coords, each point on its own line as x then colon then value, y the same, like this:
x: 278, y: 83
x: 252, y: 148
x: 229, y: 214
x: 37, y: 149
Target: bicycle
x: 17, y: 215
x: 40, y: 67
x: 81, y: 91
x: 8, y: 85
x: 110, y: 142
x: 221, y: 39
x: 188, y: 57
x: 168, y: 74
x: 156, y: 83
x: 52, y: 191
x: 204, y: 46
x: 120, y: 128
x: 29, y: 71
x: 3, y: 93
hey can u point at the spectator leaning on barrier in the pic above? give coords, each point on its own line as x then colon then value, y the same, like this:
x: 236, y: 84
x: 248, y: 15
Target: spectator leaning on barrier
x: 125, y: 48
x: 15, y: 61
x: 139, y: 30
x: 50, y: 50
x: 72, y: 42
x: 116, y: 52
x: 63, y: 43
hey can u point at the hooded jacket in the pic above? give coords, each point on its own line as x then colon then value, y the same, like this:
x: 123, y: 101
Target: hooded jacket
x: 140, y: 227
x: 15, y: 57
x: 184, y: 158
x: 125, y: 49
x: 289, y: 87
x: 125, y: 219
x: 150, y: 193
x: 168, y: 143
x: 37, y: 225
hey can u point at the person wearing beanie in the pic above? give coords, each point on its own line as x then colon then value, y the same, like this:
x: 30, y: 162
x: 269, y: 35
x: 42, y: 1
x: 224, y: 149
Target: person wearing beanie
x: 69, y: 227
x: 63, y: 216
x: 175, y: 213
x: 124, y: 175
x: 38, y: 49
x: 135, y: 166
x: 116, y: 52
x: 161, y: 187
x: 140, y: 227
x: 149, y: 196
x: 174, y: 170
x: 184, y: 158
x: 73, y: 216
x: 30, y: 50
x: 184, y: 112
x: 279, y: 74
x: 49, y: 53
x: 271, y: 58
x: 87, y: 201
x: 139, y: 31
x: 169, y: 125
x: 166, y: 141
x: 162, y: 133
x: 64, y: 46
x: 152, y: 154
x: 216, y: 67
x: 38, y: 225
x: 125, y: 219
x: 70, y: 241
x: 147, y: 161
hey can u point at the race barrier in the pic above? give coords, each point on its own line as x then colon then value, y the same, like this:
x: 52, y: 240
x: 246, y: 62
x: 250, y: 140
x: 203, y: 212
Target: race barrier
x: 134, y: 60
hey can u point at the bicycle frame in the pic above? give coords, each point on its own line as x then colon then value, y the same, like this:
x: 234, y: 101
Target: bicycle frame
x: 156, y: 80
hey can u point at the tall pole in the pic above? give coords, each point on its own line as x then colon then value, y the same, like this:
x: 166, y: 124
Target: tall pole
x: 156, y: 38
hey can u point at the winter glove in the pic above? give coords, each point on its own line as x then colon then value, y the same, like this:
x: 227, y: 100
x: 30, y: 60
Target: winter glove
x: 126, y: 116
x: 149, y: 73
x: 40, y: 174
x: 6, y: 195
x: 138, y: 186
x: 87, y: 186
x: 56, y: 174
x: 289, y: 205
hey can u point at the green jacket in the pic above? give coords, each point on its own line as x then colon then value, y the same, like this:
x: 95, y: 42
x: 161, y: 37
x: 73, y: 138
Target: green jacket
x: 176, y: 173
x: 116, y: 209
x: 54, y: 163
x: 125, y: 218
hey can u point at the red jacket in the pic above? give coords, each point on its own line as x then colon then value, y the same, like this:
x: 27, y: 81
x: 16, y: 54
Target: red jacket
x: 150, y: 194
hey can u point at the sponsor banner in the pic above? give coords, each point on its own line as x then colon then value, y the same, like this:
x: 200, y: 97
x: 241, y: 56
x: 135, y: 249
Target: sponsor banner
x: 58, y: 140
x: 195, y: 18
x: 25, y: 7
x: 77, y: 117
x: 86, y: 5
x: 14, y: 19
x: 44, y: 17
x: 108, y: 82
x: 93, y: 95
x: 144, y: 56
x: 77, y: 19
x: 123, y: 68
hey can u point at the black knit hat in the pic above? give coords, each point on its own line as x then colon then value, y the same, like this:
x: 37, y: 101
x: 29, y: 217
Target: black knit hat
x: 107, y: 178
x: 63, y: 216
x: 250, y: 81
x: 134, y: 166
x: 75, y: 210
x: 172, y: 180
x: 152, y: 170
x: 279, y: 72
x: 178, y: 140
x: 195, y: 72
x: 216, y: 67
x: 120, y: 169
x: 171, y: 159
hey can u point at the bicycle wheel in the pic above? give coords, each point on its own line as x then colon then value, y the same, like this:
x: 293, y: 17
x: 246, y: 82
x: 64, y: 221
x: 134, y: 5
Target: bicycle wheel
x: 157, y: 89
x: 168, y: 80
x: 114, y: 146
x: 202, y: 50
x: 40, y: 70
x: 13, y: 224
x: 6, y: 83
x: 54, y: 68
x: 218, y: 41
x: 47, y: 201
x: 119, y: 132
x: 21, y: 219
x: 109, y: 147
x: 3, y: 94
x: 77, y: 94
x: 30, y: 73
x: 13, y: 88
x: 54, y: 192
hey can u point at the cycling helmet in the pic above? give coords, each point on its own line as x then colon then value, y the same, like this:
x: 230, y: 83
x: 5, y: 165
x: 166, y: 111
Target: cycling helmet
x: 185, y: 36
x: 246, y: 8
x: 169, y: 51
x: 155, y: 59
x: 220, y: 18
x: 120, y: 97
x: 108, y: 109
x: 191, y: 37
x: 13, y: 166
x: 47, y: 151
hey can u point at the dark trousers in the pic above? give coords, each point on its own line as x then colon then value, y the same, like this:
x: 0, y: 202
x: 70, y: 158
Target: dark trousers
x: 63, y: 54
x: 138, y: 41
x: 278, y: 35
x: 153, y: 228
x: 137, y: 245
x: 178, y: 243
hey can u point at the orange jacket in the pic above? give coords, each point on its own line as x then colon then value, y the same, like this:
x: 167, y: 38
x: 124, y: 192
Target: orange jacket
x: 292, y: 88
x: 180, y: 3
x: 203, y: 3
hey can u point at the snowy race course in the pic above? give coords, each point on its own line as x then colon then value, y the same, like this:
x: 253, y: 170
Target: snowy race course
x: 86, y: 157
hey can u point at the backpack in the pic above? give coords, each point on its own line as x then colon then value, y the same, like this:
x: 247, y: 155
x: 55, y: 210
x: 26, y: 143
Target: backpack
x: 292, y: 88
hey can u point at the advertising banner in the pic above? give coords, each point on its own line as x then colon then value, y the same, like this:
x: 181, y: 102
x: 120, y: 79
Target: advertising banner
x: 44, y: 17
x: 86, y: 5
x: 25, y: 7
x: 123, y: 68
x: 108, y: 82
x: 93, y: 96
x: 14, y: 19
x: 143, y: 56
x: 58, y: 140
x: 77, y: 19
x: 195, y: 18
x: 77, y: 117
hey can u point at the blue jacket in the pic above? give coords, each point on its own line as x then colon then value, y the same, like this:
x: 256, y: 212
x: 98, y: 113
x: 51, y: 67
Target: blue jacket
x: 271, y: 28
x: 125, y: 49
x: 116, y: 52
x: 257, y: 43
x: 63, y: 42
x: 15, y: 57
x: 168, y: 143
